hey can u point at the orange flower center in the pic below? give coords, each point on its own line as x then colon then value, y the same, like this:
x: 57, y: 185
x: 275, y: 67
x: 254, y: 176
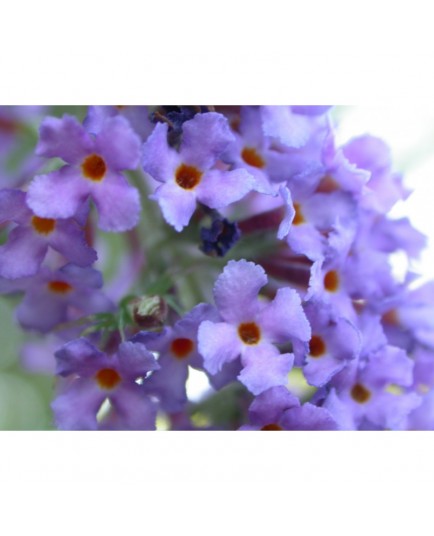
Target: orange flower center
x: 187, y: 177
x: 59, y: 287
x: 391, y: 317
x: 317, y: 346
x: 298, y: 216
x: 43, y: 226
x: 94, y: 167
x: 249, y: 333
x: 252, y: 157
x: 108, y: 378
x: 181, y: 348
x: 273, y: 427
x: 327, y: 185
x: 331, y: 281
x: 360, y: 394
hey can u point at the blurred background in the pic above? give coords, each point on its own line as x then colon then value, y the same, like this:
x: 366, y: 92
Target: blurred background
x: 409, y: 131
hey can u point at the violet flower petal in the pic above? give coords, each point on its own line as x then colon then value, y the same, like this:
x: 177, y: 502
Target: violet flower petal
x: 65, y: 138
x: 218, y: 344
x: 236, y: 290
x: 58, y: 194
x: 118, y: 143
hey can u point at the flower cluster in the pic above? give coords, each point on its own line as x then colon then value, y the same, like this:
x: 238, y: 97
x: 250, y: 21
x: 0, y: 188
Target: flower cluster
x: 239, y: 244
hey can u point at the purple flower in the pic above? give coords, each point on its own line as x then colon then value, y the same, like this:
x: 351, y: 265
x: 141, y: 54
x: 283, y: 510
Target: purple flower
x: 277, y: 409
x: 391, y: 235
x: 384, y: 187
x: 343, y: 276
x: 191, y: 174
x: 336, y: 172
x: 55, y: 297
x: 175, y: 117
x: 311, y: 110
x: 408, y: 317
x: 29, y: 241
x: 137, y: 116
x: 93, y: 170
x: 95, y: 377
x: 310, y: 225
x: 371, y: 392
x: 367, y: 274
x: 335, y: 342
x: 250, y: 327
x: 177, y: 349
x: 328, y: 285
x: 253, y: 151
x: 292, y: 126
x: 422, y: 418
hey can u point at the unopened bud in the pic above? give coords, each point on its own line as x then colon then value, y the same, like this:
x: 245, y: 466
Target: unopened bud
x: 149, y: 312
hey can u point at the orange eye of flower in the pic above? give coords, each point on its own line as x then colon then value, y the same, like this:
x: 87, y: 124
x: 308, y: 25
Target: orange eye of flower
x: 391, y: 317
x: 317, y: 346
x: 187, y: 177
x: 249, y: 333
x: 273, y: 427
x: 43, y: 225
x: 298, y: 216
x: 108, y: 378
x: 59, y: 287
x: 94, y: 167
x: 331, y: 281
x: 181, y: 348
x: 252, y: 157
x: 327, y: 185
x: 360, y: 394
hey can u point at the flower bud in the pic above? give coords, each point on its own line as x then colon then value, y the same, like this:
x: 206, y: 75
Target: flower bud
x: 149, y: 312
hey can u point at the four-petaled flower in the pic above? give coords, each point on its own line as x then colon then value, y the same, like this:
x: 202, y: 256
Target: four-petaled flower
x: 94, y: 377
x: 251, y: 327
x: 191, y: 174
x: 94, y: 165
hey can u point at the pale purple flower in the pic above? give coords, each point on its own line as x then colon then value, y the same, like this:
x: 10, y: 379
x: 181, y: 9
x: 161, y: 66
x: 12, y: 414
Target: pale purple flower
x: 137, y: 116
x: 55, y: 297
x: 191, y: 174
x: 253, y: 151
x: 177, y: 350
x: 277, y: 409
x: 371, y: 392
x: 250, y: 327
x: 384, y: 187
x: 311, y: 221
x: 334, y: 342
x: 293, y: 125
x: 94, y: 165
x: 94, y: 377
x: 28, y: 242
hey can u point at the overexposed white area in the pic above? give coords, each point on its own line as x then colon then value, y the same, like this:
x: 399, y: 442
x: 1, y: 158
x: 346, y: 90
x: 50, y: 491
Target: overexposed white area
x: 409, y: 132
x: 197, y: 385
